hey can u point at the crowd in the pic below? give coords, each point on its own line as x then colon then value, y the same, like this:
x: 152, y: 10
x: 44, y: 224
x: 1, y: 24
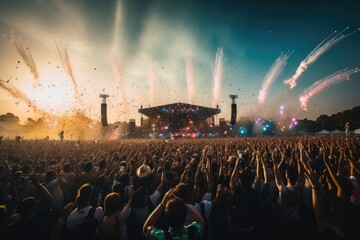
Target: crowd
x: 272, y: 187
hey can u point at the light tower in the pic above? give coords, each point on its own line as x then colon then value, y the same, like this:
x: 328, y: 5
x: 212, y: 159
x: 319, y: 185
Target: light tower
x: 104, y: 122
x: 233, y: 109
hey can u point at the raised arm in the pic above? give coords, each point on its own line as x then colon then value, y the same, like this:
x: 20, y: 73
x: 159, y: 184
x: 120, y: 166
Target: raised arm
x: 266, y: 178
x: 184, y: 175
x: 154, y: 216
x: 338, y: 172
x: 282, y: 158
x: 317, y: 202
x: 258, y: 178
x: 353, y: 168
x: 219, y: 194
x: 235, y: 173
x: 196, y: 180
x: 278, y: 178
x: 46, y: 196
x: 301, y: 178
x: 208, y: 175
x: 334, y: 179
x: 194, y: 215
x: 220, y: 168
x: 161, y: 186
x: 156, y: 167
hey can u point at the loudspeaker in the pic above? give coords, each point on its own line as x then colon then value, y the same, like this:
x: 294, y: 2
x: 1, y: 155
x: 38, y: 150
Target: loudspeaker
x: 104, y: 121
x: 132, y: 127
x: 233, y: 114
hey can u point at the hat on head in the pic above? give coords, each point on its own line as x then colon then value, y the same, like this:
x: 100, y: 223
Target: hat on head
x: 123, y: 163
x: 143, y: 170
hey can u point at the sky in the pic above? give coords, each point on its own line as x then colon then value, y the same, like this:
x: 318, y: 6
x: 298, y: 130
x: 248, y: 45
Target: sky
x: 136, y: 51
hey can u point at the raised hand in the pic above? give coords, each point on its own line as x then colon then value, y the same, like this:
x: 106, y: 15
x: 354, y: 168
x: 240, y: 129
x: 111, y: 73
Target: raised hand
x: 312, y: 177
x: 168, y: 195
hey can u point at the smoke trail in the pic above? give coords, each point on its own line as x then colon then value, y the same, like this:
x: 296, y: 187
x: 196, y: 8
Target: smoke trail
x: 121, y: 80
x: 272, y: 74
x: 16, y: 93
x: 218, y: 69
x: 117, y: 24
x: 26, y: 55
x: 190, y: 78
x: 152, y: 84
x: 319, y: 50
x: 62, y: 52
x: 325, y: 83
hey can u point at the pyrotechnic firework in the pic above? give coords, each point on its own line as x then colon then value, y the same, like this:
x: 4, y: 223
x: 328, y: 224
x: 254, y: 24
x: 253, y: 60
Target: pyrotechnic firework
x: 272, y: 74
x: 16, y: 93
x: 153, y: 84
x: 282, y: 108
x: 319, y: 50
x: 25, y: 53
x: 62, y: 52
x: 324, y: 84
x: 190, y: 78
x: 218, y: 69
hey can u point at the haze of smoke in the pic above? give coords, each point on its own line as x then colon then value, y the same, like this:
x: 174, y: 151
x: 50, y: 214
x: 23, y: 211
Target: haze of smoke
x: 218, y: 70
x: 116, y: 132
x: 16, y: 93
x: 190, y: 78
x: 325, y: 83
x: 319, y: 50
x: 272, y: 74
x: 121, y: 80
x: 25, y: 53
x: 76, y: 125
x: 153, y: 84
x: 272, y: 110
x: 62, y: 52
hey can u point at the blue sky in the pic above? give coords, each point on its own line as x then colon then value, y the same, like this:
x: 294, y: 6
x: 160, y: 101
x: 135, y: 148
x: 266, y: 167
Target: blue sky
x: 160, y: 33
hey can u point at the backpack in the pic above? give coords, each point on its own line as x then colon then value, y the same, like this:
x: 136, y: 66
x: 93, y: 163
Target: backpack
x: 87, y: 228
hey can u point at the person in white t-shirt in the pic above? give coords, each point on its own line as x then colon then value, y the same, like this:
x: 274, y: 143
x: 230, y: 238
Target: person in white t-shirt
x: 82, y: 208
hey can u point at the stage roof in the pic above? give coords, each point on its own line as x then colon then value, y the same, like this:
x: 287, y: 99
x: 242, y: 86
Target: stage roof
x: 180, y: 110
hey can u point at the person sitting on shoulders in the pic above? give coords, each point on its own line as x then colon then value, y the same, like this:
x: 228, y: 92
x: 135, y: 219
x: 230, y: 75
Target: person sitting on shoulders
x: 176, y: 212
